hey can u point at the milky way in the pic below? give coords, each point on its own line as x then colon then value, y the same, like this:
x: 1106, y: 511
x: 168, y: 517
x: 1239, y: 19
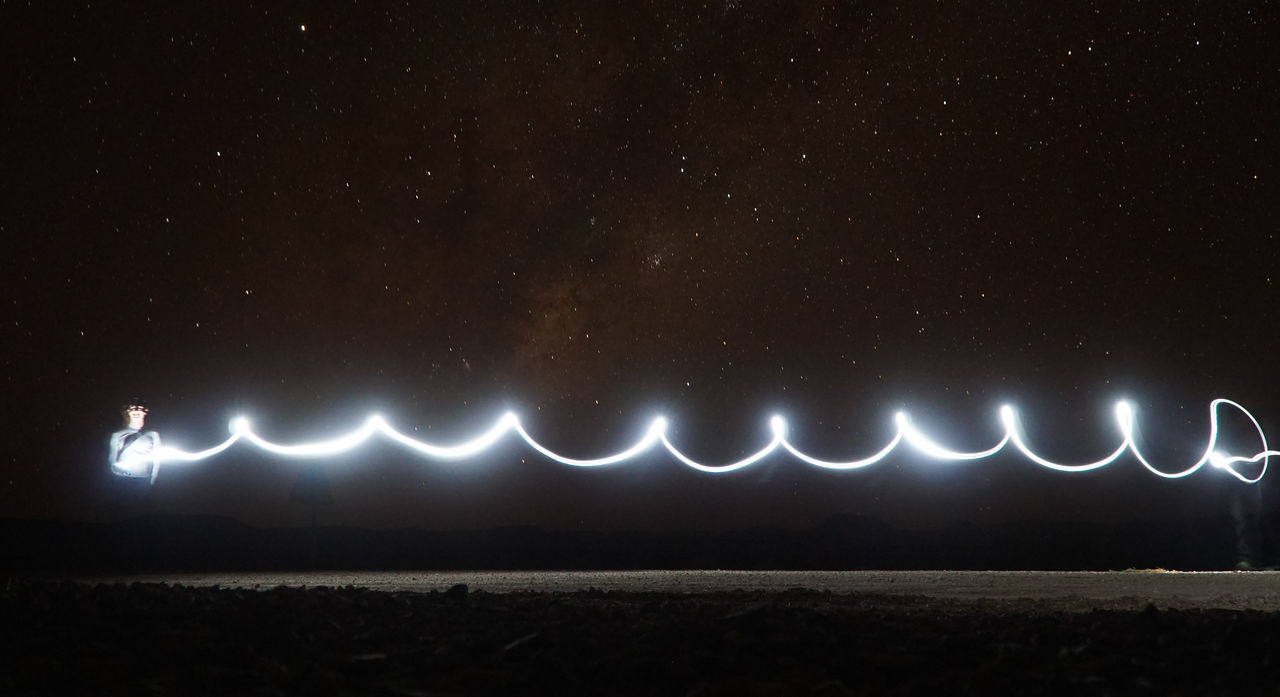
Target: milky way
x: 590, y: 211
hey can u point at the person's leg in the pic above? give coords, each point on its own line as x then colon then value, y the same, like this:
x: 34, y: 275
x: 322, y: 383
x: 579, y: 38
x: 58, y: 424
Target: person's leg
x: 1245, y: 504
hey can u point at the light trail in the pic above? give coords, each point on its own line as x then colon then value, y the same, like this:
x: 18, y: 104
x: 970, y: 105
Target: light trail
x: 656, y: 434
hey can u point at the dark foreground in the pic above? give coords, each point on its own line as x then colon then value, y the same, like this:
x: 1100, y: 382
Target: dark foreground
x: 69, y: 638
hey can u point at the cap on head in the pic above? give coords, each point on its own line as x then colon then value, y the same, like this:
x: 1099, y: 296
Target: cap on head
x: 135, y: 404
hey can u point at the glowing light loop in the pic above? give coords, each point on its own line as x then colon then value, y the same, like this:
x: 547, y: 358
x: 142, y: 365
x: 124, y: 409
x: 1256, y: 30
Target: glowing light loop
x: 905, y: 432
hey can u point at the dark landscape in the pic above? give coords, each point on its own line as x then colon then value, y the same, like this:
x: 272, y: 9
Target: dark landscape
x: 993, y: 266
x: 67, y: 633
x: 74, y: 638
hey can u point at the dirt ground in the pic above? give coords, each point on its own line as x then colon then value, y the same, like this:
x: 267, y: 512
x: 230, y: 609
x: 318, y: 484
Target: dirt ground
x: 644, y: 633
x: 1069, y: 591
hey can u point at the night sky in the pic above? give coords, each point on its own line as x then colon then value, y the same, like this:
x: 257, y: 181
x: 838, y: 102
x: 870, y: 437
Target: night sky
x: 596, y: 212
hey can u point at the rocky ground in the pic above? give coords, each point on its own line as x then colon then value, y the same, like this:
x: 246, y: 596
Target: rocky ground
x: 139, y: 639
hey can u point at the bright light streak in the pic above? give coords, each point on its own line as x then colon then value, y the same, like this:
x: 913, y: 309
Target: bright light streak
x: 470, y: 448
x: 926, y: 445
x: 1013, y: 431
x: 656, y: 434
x: 779, y: 436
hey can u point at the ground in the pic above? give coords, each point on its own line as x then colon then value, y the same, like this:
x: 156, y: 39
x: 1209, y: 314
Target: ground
x: 647, y: 633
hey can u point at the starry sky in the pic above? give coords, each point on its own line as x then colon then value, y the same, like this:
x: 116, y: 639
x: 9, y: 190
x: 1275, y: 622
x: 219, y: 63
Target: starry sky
x: 595, y: 212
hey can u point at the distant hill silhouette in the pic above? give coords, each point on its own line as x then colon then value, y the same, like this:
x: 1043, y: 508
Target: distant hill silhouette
x: 201, y: 543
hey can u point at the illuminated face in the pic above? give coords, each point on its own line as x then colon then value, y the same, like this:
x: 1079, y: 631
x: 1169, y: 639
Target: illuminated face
x: 136, y: 416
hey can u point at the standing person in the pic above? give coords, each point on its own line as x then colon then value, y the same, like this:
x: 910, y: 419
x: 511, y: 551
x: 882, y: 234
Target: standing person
x: 1245, y: 503
x: 1248, y: 516
x: 132, y: 451
x: 312, y: 488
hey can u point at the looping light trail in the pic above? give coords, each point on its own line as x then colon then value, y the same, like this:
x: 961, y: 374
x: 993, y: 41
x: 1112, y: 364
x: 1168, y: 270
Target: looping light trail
x: 906, y: 432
